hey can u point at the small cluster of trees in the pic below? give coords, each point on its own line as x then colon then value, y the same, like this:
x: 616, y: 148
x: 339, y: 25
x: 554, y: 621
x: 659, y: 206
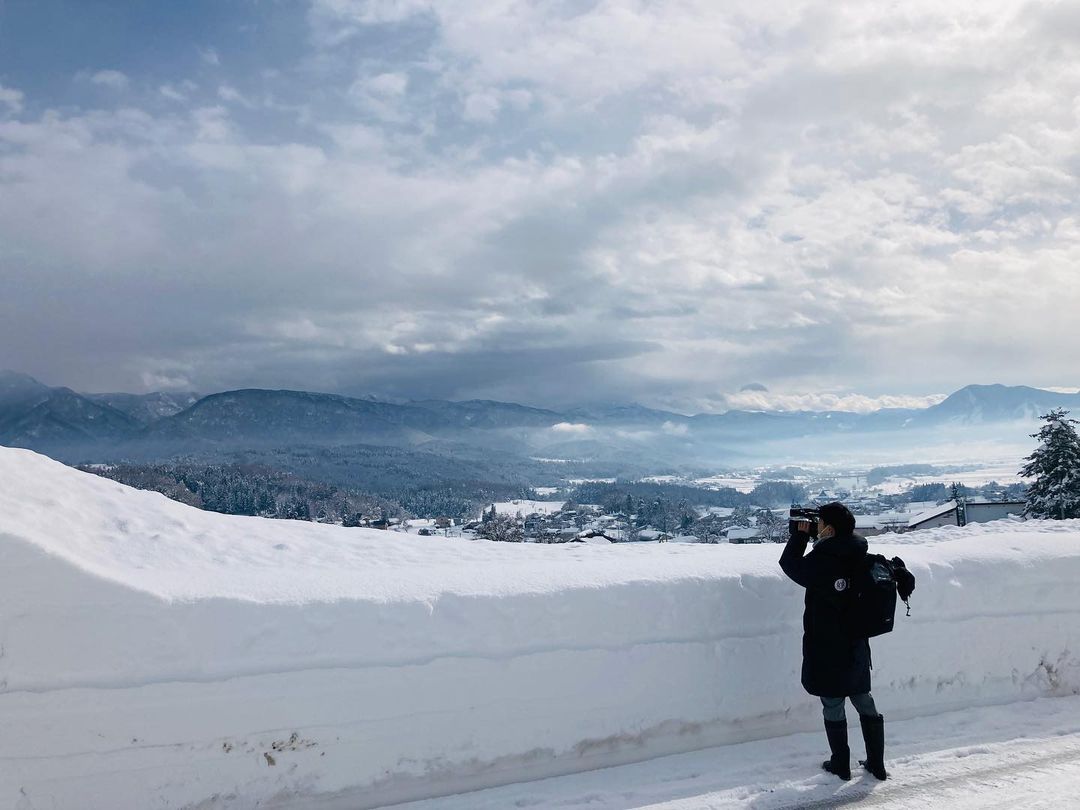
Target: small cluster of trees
x: 251, y: 490
x: 458, y: 500
x: 661, y: 514
x: 501, y: 528
x: 424, y: 484
x: 259, y: 489
x: 711, y: 527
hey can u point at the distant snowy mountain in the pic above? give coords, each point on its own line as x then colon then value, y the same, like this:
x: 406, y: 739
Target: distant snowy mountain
x: 163, y: 425
x: 997, y: 403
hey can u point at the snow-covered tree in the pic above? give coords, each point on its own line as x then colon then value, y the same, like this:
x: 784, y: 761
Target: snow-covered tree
x: 773, y: 529
x: 1055, y: 469
x: 709, y: 529
x: 740, y: 516
x: 502, y: 528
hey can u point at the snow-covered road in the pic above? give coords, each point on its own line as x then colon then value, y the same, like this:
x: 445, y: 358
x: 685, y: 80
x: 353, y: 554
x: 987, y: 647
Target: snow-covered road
x: 1024, y: 755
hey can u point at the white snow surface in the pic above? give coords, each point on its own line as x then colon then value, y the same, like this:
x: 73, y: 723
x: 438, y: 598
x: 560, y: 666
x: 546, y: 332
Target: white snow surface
x: 153, y: 655
x: 1018, y: 756
x: 527, y: 507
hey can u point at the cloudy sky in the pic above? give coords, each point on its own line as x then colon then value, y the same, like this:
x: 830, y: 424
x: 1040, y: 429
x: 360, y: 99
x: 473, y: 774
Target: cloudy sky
x: 846, y: 203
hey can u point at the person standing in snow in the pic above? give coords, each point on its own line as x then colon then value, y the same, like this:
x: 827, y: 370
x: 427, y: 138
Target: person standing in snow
x: 835, y: 666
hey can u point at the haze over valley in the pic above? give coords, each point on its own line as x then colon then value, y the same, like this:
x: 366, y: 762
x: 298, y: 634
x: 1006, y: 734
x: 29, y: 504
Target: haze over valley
x: 484, y: 451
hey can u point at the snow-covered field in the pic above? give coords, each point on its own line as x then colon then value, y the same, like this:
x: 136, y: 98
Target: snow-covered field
x: 154, y: 655
x: 1004, y: 472
x: 742, y: 483
x: 971, y: 473
x: 527, y: 507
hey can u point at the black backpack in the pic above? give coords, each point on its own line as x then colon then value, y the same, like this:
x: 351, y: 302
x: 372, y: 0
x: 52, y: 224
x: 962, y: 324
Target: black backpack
x: 871, y: 604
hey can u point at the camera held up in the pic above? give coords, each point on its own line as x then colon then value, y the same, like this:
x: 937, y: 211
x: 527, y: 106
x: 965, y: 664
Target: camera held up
x: 800, y: 513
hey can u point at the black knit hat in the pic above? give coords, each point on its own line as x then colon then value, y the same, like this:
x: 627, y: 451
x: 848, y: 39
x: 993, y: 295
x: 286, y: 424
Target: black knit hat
x: 838, y: 516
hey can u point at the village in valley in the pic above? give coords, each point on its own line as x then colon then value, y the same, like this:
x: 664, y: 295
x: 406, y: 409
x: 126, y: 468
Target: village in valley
x: 882, y: 502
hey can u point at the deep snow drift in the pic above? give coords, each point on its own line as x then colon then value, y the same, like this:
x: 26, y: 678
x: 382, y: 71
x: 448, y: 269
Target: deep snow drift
x: 156, y: 655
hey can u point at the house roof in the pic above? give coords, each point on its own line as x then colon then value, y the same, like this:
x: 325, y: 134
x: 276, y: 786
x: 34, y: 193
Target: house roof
x: 930, y: 514
x: 739, y: 533
x: 881, y: 521
x: 949, y: 506
x: 652, y: 534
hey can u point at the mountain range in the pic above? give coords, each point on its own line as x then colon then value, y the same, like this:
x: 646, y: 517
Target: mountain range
x: 71, y: 425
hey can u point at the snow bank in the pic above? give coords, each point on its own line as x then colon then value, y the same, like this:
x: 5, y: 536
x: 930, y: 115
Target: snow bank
x: 156, y: 655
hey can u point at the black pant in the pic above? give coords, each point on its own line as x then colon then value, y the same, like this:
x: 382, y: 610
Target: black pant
x: 833, y: 708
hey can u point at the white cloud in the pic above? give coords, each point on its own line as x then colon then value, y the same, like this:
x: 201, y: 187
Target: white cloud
x: 610, y: 47
x: 112, y: 79
x: 572, y: 428
x: 665, y: 199
x: 178, y: 92
x: 481, y: 107
x: 370, y: 12
x: 11, y: 98
x: 852, y: 402
x: 382, y: 95
x: 387, y: 84
x: 228, y: 93
x: 158, y: 381
x: 212, y: 124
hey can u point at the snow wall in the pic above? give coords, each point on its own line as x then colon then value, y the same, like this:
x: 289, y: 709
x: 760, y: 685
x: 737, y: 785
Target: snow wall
x: 152, y: 655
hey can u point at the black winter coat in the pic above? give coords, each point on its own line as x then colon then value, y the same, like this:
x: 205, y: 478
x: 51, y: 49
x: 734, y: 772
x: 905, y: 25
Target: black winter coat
x: 834, y: 665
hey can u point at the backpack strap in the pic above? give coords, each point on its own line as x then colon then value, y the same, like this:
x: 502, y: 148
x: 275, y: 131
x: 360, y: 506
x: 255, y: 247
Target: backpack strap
x: 905, y: 581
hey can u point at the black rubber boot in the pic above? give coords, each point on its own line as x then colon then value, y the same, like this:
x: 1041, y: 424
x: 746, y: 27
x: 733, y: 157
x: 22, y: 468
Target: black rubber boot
x: 873, y: 732
x: 840, y: 762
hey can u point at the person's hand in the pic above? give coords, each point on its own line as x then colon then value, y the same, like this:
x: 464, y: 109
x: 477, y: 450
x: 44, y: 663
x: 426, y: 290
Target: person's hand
x: 803, y: 526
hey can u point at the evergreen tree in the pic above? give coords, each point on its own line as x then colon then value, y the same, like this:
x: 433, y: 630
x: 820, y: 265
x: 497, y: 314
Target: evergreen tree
x: 777, y: 493
x: 927, y: 492
x: 686, y: 515
x: 954, y: 492
x: 639, y: 512
x: 1055, y: 469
